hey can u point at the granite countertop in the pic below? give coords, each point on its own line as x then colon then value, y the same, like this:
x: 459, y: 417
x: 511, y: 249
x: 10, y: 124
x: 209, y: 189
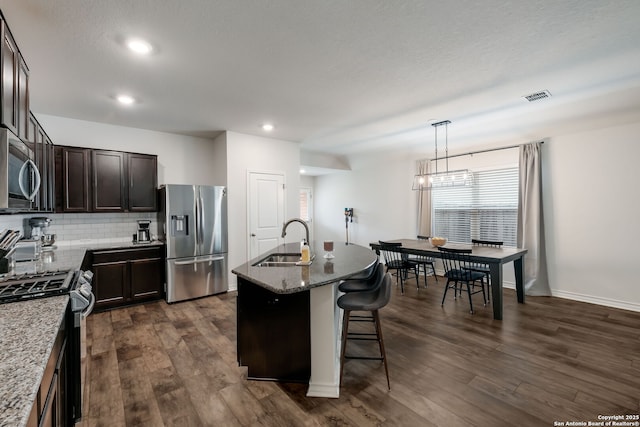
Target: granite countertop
x: 27, y: 333
x: 28, y: 329
x: 348, y: 260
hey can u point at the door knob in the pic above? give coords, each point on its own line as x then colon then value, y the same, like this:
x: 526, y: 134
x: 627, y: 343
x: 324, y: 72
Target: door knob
x: 253, y: 235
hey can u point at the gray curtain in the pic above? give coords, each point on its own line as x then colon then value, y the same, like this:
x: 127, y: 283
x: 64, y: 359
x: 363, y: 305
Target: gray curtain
x: 424, y: 202
x: 531, y: 221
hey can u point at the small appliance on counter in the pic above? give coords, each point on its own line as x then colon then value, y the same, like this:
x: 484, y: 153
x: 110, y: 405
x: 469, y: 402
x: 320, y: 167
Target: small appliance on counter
x: 27, y: 250
x: 39, y: 232
x: 143, y: 235
x: 38, y: 225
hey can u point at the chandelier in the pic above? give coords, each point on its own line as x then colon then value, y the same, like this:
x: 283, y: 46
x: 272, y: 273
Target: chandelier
x: 447, y: 178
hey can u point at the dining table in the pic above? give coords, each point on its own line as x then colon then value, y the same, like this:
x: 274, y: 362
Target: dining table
x: 495, y: 258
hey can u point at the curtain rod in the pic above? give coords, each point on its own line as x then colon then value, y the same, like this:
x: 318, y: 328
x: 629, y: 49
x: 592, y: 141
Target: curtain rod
x: 471, y: 153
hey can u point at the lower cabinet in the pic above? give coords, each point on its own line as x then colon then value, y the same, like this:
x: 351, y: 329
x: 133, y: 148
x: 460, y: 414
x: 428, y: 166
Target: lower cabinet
x: 127, y: 276
x: 274, y: 333
x: 52, y: 401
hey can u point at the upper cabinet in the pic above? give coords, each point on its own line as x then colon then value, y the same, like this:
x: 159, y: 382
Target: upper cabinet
x: 109, y: 176
x: 89, y: 180
x: 44, y: 158
x: 14, y: 85
x: 72, y: 185
x: 143, y: 181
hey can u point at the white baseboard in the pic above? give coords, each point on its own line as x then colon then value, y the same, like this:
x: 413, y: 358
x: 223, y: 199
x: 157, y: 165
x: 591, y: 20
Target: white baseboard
x: 607, y: 302
x: 323, y: 390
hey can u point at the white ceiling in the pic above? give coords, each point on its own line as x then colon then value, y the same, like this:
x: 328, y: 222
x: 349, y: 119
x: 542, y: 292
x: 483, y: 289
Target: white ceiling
x: 338, y: 76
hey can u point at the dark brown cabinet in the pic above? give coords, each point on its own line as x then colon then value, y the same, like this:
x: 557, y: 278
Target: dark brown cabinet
x: 10, y: 59
x: 108, y: 175
x: 44, y: 158
x: 50, y: 407
x: 23, y: 99
x: 72, y: 184
x: 127, y: 276
x: 143, y: 181
x: 105, y: 181
x: 274, y: 338
x: 14, y: 84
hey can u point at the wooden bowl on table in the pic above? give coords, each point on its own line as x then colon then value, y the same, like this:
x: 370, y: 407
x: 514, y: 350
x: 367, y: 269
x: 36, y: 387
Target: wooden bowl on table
x: 438, y: 241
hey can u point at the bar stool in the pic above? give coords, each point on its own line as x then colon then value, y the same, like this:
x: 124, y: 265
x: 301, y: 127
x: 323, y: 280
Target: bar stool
x: 370, y: 283
x: 371, y: 301
x: 366, y: 281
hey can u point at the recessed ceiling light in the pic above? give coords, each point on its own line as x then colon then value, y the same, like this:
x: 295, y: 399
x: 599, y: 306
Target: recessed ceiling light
x: 268, y: 127
x: 125, y: 99
x: 302, y: 171
x: 139, y: 46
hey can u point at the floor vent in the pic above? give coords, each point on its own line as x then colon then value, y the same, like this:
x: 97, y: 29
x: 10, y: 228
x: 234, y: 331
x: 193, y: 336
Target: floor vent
x: 537, y: 96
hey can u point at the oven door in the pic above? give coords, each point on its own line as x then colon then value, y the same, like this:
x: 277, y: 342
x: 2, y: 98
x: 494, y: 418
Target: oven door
x: 81, y: 305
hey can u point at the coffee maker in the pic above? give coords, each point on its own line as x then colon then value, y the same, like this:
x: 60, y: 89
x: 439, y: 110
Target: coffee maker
x: 144, y: 234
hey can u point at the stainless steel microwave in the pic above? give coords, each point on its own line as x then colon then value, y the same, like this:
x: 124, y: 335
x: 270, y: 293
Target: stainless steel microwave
x: 19, y: 175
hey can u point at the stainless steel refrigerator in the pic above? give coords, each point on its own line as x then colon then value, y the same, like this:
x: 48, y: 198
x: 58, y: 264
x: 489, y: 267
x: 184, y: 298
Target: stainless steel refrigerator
x: 193, y: 222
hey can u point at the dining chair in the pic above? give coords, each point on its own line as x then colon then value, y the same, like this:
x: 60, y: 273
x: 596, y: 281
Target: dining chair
x: 395, y: 260
x: 371, y: 301
x: 456, y: 266
x: 424, y: 262
x: 481, y: 267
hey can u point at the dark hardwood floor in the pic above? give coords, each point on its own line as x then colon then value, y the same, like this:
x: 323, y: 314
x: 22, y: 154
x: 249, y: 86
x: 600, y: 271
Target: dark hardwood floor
x: 550, y: 360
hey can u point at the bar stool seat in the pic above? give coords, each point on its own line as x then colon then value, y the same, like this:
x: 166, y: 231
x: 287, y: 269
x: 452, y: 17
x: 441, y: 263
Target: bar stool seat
x: 372, y: 301
x: 372, y: 279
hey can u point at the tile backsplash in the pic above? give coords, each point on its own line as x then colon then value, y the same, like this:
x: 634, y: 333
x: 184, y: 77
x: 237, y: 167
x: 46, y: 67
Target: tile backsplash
x: 80, y: 228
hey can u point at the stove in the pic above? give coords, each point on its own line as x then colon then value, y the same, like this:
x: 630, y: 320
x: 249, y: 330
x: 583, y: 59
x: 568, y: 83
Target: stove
x: 30, y: 286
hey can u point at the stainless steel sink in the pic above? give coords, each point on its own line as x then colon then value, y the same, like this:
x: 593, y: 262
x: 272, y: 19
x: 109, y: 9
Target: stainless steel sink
x: 280, y: 260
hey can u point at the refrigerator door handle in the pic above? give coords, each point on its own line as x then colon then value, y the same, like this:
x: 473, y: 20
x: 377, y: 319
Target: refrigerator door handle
x: 199, y: 219
x: 199, y: 260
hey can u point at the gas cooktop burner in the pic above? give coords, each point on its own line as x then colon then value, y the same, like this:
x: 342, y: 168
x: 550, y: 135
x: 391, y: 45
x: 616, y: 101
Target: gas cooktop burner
x: 30, y: 286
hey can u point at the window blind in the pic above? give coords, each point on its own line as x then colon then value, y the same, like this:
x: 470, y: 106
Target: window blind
x: 488, y: 210
x: 305, y: 204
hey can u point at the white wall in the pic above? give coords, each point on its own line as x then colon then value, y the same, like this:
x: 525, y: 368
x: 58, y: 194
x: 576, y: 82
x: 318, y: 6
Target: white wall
x: 378, y: 188
x: 257, y: 154
x: 592, y: 215
x: 181, y: 159
x: 591, y: 209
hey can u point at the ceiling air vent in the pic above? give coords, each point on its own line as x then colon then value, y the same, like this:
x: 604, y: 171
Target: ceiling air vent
x: 537, y: 96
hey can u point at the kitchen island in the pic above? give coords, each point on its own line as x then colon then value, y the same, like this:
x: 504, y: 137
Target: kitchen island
x: 288, y: 320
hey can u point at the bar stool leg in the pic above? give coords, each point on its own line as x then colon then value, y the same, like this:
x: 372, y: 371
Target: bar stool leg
x: 345, y: 329
x: 383, y: 354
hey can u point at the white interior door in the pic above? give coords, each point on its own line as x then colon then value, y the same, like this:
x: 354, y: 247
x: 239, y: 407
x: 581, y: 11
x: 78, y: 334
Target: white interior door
x: 266, y: 212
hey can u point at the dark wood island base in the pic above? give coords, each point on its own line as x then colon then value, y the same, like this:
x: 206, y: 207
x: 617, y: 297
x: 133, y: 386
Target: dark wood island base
x: 274, y: 335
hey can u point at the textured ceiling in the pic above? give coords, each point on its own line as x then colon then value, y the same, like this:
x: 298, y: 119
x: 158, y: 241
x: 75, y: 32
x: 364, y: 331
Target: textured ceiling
x: 339, y: 76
